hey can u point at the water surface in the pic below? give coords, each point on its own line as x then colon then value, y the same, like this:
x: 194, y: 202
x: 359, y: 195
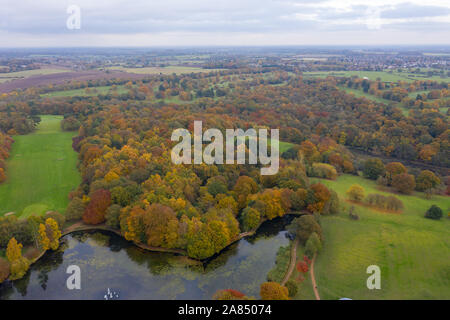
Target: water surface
x: 108, y: 261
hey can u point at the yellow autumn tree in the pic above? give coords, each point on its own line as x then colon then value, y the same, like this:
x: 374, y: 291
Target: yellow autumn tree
x: 49, y: 234
x: 19, y: 264
x: 44, y: 241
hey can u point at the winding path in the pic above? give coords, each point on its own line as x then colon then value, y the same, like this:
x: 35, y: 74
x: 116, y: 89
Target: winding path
x: 292, y: 261
x: 313, y: 279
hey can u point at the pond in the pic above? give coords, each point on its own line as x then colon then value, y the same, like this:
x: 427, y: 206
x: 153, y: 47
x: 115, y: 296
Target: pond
x: 108, y: 262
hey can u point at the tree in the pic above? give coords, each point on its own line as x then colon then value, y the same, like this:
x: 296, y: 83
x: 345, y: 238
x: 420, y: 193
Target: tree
x: 112, y: 216
x: 394, y: 168
x: 19, y: 264
x: 404, y: 183
x: 243, y: 188
x: 75, y: 209
x: 217, y: 185
x: 434, y: 213
x: 427, y: 180
x: 304, y: 226
x: 373, y: 168
x: 298, y: 199
x: 313, y: 245
x: 250, y: 218
x: 273, y: 291
x: 355, y: 193
x: 96, y: 209
x: 49, y: 235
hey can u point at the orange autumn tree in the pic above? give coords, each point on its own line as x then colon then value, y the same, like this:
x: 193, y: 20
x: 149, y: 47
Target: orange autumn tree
x: 96, y: 209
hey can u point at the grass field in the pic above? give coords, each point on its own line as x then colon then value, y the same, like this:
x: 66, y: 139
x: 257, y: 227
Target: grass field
x: 373, y: 75
x: 411, y: 251
x: 28, y: 73
x: 41, y: 171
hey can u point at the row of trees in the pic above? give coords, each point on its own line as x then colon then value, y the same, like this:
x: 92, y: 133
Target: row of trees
x: 5, y: 145
x: 396, y: 175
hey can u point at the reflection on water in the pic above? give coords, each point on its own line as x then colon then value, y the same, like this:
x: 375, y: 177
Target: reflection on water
x: 108, y: 261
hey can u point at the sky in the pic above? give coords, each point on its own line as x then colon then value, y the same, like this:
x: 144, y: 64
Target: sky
x: 147, y: 23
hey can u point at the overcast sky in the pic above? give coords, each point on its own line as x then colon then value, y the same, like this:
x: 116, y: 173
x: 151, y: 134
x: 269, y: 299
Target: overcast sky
x: 42, y: 23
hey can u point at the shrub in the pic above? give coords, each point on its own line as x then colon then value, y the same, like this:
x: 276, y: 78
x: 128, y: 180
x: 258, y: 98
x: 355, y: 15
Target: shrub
x: 355, y: 193
x: 394, y: 204
x: 385, y: 203
x: 434, y: 213
x: 292, y: 287
x: 352, y: 214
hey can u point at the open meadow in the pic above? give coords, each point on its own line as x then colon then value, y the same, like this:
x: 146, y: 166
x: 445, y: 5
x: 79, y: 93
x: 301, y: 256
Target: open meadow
x: 408, y: 248
x: 41, y: 171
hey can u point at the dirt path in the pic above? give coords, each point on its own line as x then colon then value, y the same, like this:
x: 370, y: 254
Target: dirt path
x: 313, y: 278
x: 291, y: 262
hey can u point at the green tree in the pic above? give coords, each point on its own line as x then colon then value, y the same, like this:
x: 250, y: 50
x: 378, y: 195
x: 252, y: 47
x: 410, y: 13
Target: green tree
x: 304, y: 226
x: 313, y: 245
x: 373, y: 168
x: 250, y: 218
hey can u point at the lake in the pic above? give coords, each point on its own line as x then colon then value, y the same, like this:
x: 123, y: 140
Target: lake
x: 107, y: 261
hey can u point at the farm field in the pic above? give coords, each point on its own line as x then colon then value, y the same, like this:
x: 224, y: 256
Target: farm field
x: 28, y: 73
x: 162, y: 70
x: 407, y: 247
x: 41, y: 171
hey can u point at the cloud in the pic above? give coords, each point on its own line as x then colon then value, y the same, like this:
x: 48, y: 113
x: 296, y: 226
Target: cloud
x: 46, y: 18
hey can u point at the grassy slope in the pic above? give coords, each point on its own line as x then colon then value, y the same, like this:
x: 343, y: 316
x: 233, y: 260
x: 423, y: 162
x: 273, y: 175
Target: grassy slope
x: 411, y: 251
x: 41, y: 171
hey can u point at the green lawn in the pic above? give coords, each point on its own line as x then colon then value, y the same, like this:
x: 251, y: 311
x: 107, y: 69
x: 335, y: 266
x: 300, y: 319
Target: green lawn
x: 41, y: 171
x: 412, y: 252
